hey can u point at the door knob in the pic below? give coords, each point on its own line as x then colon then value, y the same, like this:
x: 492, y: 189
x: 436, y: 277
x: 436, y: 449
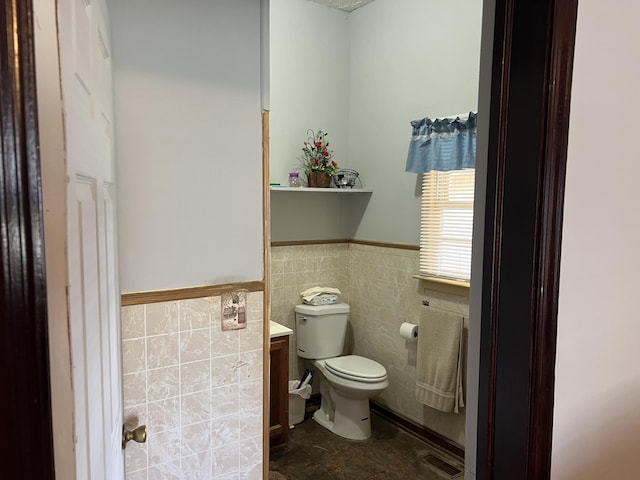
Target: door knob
x: 137, y: 435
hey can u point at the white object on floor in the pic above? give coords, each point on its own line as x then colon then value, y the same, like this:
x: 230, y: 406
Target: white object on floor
x: 297, y: 402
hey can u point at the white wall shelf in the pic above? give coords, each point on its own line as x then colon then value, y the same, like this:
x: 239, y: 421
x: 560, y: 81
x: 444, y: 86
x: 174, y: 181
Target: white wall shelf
x: 320, y: 190
x: 316, y: 213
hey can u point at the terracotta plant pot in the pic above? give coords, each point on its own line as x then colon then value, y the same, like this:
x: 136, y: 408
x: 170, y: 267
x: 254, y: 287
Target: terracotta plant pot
x: 319, y: 179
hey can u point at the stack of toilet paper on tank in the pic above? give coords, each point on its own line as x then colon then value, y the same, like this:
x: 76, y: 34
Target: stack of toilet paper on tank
x: 320, y: 295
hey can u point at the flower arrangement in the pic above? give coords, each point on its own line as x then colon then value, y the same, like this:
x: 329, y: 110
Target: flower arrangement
x: 316, y: 156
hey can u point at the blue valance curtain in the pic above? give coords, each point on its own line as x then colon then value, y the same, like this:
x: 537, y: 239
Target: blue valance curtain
x: 442, y: 144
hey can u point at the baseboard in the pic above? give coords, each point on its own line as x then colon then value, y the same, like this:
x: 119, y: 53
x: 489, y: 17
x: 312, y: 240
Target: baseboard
x: 423, y: 433
x: 420, y: 431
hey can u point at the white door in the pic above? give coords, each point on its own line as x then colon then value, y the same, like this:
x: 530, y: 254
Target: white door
x: 93, y: 292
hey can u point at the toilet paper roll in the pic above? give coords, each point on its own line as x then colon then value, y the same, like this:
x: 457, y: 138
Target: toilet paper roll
x: 409, y: 331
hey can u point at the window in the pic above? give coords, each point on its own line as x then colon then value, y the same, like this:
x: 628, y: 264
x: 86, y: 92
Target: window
x: 447, y: 224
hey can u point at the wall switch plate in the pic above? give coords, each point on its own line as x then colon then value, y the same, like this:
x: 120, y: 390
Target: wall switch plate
x: 234, y: 310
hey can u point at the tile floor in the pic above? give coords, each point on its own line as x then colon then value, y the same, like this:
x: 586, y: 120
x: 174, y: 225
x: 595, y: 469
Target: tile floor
x: 314, y: 453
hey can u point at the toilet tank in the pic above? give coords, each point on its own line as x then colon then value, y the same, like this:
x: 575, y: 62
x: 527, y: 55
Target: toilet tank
x: 321, y: 330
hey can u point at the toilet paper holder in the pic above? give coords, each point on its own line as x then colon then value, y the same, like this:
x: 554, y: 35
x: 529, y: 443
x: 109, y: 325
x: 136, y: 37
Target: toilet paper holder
x: 409, y: 331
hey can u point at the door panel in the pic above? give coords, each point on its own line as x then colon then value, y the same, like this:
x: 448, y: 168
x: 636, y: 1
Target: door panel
x: 86, y: 334
x: 114, y: 411
x: 93, y: 291
x: 81, y: 23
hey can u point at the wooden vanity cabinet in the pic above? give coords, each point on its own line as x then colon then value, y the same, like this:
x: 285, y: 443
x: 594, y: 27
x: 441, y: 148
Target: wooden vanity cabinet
x: 279, y: 391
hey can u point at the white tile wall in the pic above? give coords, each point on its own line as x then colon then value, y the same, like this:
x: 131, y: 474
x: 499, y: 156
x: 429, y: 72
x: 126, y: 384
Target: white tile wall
x: 378, y: 285
x: 296, y: 268
x: 198, y: 390
x: 384, y: 295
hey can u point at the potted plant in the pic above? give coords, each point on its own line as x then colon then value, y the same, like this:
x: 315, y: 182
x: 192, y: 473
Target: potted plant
x: 317, y: 160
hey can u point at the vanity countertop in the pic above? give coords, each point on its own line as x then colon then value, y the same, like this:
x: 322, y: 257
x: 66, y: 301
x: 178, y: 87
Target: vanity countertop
x: 277, y: 330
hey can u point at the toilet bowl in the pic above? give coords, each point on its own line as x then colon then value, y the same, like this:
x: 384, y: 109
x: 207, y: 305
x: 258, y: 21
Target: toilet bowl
x: 345, y: 398
x: 347, y: 381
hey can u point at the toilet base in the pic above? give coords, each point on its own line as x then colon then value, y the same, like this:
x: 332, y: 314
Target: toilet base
x: 347, y: 417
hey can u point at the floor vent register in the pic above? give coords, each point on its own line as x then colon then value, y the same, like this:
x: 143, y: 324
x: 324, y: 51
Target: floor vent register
x: 440, y: 466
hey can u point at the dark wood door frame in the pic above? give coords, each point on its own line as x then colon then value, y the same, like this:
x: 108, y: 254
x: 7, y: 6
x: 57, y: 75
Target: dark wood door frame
x: 531, y: 80
x: 528, y: 133
x: 26, y: 442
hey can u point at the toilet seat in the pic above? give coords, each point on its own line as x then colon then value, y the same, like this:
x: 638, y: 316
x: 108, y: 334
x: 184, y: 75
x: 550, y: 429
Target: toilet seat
x: 356, y: 368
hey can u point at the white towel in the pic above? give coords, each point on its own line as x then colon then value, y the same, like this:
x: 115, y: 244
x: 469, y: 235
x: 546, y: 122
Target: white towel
x: 323, y: 299
x: 440, y: 355
x: 313, y: 292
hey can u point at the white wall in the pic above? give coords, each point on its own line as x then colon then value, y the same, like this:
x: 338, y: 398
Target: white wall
x: 311, y: 216
x: 395, y: 48
x: 309, y: 81
x: 410, y: 59
x: 597, y: 390
x: 375, y: 70
x: 188, y: 141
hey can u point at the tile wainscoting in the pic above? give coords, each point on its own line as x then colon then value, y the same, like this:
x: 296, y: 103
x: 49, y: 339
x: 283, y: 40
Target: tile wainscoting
x: 383, y: 295
x: 377, y: 283
x: 296, y: 268
x: 197, y: 388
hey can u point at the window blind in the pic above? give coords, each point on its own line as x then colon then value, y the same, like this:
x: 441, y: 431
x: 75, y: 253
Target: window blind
x: 447, y: 224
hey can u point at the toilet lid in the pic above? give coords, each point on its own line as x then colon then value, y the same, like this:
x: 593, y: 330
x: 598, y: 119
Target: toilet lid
x: 356, y: 368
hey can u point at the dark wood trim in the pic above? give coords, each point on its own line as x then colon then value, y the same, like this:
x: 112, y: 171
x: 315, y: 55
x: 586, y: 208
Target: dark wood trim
x: 278, y: 411
x: 550, y: 237
x: 140, y: 298
x: 27, y: 442
x: 490, y: 265
x: 423, y: 433
x: 401, y: 246
x: 528, y: 128
x: 294, y: 243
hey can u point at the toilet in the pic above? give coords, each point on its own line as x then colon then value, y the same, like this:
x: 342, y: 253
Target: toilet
x: 348, y: 381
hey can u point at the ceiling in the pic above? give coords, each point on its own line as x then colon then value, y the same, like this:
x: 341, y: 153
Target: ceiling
x: 344, y: 5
